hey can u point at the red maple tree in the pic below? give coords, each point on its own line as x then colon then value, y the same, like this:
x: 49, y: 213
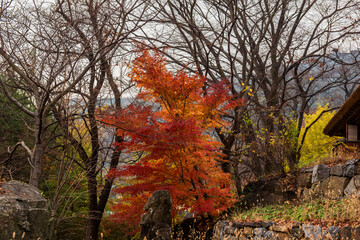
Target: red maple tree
x: 175, y: 135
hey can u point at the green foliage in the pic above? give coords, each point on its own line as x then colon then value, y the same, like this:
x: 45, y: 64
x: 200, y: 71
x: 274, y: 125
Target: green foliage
x: 14, y: 127
x: 317, y: 145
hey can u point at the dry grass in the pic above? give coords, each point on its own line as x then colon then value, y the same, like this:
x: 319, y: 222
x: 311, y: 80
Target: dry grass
x: 323, y: 212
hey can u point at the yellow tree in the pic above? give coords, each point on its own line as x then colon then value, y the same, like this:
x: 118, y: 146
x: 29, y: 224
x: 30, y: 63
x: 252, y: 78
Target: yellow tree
x: 313, y: 143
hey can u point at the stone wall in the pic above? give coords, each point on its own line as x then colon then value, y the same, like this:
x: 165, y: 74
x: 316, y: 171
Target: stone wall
x: 332, y: 183
x: 321, y: 181
x: 309, y: 183
x: 270, y: 230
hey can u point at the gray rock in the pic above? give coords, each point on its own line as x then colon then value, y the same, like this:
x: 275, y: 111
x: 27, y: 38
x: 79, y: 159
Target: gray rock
x: 353, y: 187
x: 156, y: 222
x: 312, y: 232
x: 350, y: 170
x: 229, y: 230
x: 337, y: 170
x: 267, y: 224
x: 23, y: 210
x: 356, y: 233
x: 269, y: 235
x: 280, y: 228
x: 16, y: 188
x: 336, y: 187
x: 351, y: 167
x: 320, y: 172
x: 283, y: 236
x: 218, y: 231
x: 332, y: 233
x: 260, y: 232
x: 296, y: 231
x: 248, y: 232
x: 345, y: 233
x: 353, y: 161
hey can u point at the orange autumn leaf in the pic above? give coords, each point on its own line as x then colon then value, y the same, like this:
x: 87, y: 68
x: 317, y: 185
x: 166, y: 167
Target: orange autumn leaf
x: 174, y: 132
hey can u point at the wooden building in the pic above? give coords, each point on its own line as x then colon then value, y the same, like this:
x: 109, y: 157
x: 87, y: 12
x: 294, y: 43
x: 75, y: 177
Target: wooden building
x: 346, y: 124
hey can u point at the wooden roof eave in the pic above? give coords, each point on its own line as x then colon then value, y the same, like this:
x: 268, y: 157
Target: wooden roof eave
x: 340, y: 117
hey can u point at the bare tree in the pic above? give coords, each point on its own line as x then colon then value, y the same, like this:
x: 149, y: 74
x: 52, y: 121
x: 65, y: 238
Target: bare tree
x: 64, y: 54
x: 102, y: 28
x: 345, y: 73
x: 4, y: 5
x: 266, y: 49
x: 36, y: 66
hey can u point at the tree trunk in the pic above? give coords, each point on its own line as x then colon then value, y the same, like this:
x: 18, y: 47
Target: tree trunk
x: 38, y: 152
x: 36, y: 161
x: 93, y: 221
x: 93, y: 225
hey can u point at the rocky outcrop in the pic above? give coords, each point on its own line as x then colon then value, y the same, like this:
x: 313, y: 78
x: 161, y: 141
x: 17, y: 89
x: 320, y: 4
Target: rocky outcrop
x: 23, y: 212
x: 271, y: 230
x: 156, y: 222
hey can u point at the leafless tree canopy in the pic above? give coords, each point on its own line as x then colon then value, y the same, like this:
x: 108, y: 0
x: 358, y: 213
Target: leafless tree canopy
x: 274, y: 53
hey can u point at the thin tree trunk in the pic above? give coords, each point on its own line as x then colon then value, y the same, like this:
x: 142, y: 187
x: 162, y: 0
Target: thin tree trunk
x: 93, y: 221
x: 38, y: 152
x: 36, y: 161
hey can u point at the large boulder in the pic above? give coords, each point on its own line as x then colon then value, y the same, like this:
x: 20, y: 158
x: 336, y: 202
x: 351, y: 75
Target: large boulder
x: 156, y: 222
x: 23, y: 212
